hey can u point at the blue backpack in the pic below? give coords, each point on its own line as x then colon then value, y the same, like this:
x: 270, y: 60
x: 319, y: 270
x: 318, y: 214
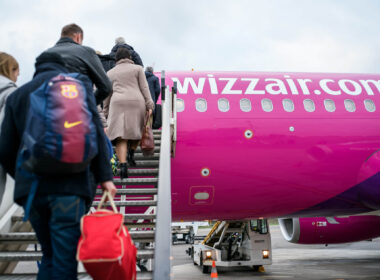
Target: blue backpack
x: 60, y: 136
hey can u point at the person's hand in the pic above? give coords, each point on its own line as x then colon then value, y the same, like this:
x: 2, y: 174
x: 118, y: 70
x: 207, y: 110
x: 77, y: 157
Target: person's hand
x: 110, y: 187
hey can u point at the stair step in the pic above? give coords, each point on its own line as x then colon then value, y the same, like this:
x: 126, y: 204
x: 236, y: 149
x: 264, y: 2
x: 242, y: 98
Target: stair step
x: 130, y: 203
x: 31, y: 276
x: 140, y: 156
x: 18, y: 237
x: 135, y: 181
x: 36, y: 256
x: 141, y: 191
x: 156, y: 149
x: 30, y: 237
x: 20, y: 256
x: 126, y: 216
x: 146, y: 275
x: 143, y: 172
x: 139, y: 216
x: 145, y: 163
x: 145, y: 254
x: 140, y: 225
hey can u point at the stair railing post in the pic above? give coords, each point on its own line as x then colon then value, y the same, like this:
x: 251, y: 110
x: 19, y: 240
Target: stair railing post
x: 163, y: 254
x: 163, y: 86
x: 174, y: 119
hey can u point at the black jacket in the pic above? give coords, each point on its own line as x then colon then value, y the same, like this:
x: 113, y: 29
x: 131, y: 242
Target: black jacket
x: 154, y: 85
x: 135, y: 56
x: 82, y: 59
x: 83, y: 183
x: 107, y: 61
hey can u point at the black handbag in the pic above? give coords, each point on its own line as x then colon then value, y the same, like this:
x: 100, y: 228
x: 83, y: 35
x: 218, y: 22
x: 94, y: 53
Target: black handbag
x: 157, y: 117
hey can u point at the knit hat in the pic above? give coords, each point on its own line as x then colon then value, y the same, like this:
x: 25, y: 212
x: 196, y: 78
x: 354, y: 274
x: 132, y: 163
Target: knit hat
x: 119, y: 41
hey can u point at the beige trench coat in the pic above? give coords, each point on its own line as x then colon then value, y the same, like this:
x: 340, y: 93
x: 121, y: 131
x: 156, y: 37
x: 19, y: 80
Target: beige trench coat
x: 126, y: 107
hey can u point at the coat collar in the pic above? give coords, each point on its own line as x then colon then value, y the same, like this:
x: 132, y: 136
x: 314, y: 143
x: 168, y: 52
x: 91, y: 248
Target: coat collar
x: 125, y: 60
x: 4, y: 81
x: 66, y: 40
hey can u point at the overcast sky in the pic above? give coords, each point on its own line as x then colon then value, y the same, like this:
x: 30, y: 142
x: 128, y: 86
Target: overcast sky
x: 266, y: 35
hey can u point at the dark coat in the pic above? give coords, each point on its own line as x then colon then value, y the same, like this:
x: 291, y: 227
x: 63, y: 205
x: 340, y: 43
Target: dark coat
x: 154, y: 85
x: 107, y: 61
x: 82, y: 184
x: 82, y: 59
x: 135, y: 56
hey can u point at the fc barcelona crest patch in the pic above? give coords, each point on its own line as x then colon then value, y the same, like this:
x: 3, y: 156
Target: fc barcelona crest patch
x: 69, y: 91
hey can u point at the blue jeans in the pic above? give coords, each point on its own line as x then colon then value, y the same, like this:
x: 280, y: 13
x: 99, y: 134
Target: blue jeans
x: 56, y: 221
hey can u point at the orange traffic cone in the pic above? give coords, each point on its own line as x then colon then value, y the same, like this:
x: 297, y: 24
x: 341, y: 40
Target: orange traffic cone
x: 214, y: 273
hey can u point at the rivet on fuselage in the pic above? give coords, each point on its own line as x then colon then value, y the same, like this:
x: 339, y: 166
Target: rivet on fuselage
x: 248, y: 134
x: 205, y: 172
x: 291, y: 128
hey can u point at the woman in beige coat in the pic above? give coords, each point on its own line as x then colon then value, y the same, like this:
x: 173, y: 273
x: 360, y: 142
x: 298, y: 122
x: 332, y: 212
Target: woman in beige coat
x: 126, y: 108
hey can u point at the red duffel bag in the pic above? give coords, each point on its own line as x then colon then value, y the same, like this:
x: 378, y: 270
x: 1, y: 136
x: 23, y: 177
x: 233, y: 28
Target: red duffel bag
x: 105, y: 247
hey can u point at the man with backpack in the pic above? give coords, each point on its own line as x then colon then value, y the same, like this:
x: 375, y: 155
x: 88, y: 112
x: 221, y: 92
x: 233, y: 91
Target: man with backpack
x: 82, y: 59
x: 62, y: 194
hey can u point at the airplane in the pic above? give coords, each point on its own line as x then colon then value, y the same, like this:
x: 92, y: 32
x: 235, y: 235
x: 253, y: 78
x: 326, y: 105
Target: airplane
x: 301, y: 147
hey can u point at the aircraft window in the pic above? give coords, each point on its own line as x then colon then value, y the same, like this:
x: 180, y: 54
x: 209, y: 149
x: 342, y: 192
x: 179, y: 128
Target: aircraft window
x: 329, y: 105
x: 245, y: 105
x: 349, y: 105
x: 288, y: 105
x: 267, y: 105
x: 201, y: 105
x: 369, y: 105
x: 309, y: 105
x: 223, y: 105
x: 260, y: 226
x: 180, y: 105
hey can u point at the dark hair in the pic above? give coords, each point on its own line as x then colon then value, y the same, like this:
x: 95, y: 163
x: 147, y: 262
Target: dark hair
x: 122, y: 53
x: 71, y: 29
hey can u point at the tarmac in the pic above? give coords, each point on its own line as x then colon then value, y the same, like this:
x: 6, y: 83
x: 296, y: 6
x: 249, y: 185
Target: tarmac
x: 360, y: 260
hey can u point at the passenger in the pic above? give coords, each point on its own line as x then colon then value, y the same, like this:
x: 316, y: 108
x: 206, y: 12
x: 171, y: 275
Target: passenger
x: 125, y: 108
x: 108, y: 62
x: 60, y: 200
x: 9, y: 72
x: 154, y: 84
x: 120, y: 42
x: 82, y: 59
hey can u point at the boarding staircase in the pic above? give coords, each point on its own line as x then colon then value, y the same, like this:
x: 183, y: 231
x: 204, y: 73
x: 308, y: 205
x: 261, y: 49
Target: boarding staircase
x: 144, y: 198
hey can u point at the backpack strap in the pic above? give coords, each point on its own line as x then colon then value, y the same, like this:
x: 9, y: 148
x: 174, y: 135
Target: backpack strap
x: 32, y: 194
x: 33, y: 188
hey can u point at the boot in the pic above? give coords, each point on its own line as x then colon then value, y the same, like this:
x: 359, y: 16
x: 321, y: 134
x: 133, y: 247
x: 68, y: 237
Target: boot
x: 131, y: 157
x: 123, y: 170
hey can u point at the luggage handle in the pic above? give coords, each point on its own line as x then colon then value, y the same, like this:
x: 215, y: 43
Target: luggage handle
x: 107, y: 194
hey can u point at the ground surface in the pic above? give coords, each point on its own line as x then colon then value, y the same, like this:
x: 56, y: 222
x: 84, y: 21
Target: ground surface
x: 359, y: 260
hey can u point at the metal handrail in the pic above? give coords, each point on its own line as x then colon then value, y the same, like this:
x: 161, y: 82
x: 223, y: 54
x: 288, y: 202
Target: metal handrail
x: 173, y: 121
x: 163, y: 256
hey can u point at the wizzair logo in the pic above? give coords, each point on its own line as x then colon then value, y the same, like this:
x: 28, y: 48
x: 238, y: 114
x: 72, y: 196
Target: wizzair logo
x: 286, y: 85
